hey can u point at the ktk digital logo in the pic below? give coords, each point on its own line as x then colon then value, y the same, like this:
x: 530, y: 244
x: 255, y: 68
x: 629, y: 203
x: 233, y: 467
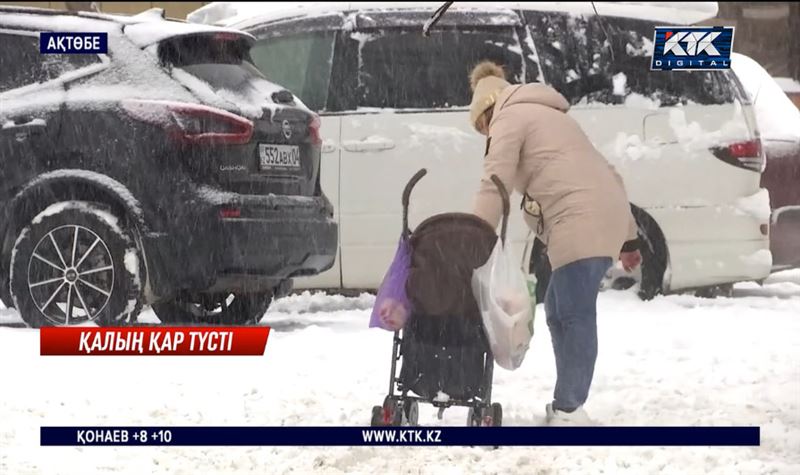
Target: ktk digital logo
x: 692, y: 48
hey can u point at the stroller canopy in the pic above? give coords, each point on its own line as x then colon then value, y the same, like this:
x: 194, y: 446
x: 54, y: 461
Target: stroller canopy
x: 446, y: 249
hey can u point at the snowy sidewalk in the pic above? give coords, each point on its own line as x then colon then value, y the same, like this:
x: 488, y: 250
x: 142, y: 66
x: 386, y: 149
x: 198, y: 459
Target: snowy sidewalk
x: 677, y: 360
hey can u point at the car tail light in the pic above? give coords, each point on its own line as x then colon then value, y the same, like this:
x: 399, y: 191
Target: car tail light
x: 746, y: 154
x: 192, y: 123
x: 314, y: 126
x: 225, y: 36
x: 227, y: 213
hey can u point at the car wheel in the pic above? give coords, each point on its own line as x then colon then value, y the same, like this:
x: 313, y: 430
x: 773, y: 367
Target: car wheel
x: 714, y: 291
x: 540, y: 267
x: 5, y: 291
x: 74, y: 264
x: 650, y: 275
x: 214, y: 309
x: 654, y: 255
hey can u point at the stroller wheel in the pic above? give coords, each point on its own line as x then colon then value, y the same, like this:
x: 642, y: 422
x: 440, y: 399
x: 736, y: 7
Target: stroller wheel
x: 411, y: 412
x: 473, y: 417
x: 391, y: 412
x: 377, y: 416
x: 491, y: 416
x: 496, y: 414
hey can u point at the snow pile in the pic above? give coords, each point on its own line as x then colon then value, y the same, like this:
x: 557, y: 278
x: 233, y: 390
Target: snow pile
x: 646, y: 48
x: 441, y: 397
x: 760, y: 258
x: 631, y: 147
x: 131, y: 262
x: 442, y: 139
x: 778, y: 118
x: 756, y: 205
x: 638, y: 101
x: 620, y: 82
x: 676, y: 360
x: 307, y: 302
x: 691, y: 135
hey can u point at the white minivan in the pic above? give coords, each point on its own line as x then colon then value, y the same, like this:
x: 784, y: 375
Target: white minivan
x: 393, y: 101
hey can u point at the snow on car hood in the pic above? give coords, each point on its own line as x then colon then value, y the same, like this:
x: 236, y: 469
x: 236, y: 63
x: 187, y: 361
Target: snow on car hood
x: 232, y: 13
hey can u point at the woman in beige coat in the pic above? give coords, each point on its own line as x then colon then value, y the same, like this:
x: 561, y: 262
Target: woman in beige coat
x: 574, y: 201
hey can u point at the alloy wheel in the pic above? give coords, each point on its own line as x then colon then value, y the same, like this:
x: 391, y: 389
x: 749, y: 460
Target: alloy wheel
x: 71, y: 275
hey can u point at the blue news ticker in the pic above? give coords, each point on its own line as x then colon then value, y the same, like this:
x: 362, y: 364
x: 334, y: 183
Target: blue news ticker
x: 445, y: 436
x: 73, y: 43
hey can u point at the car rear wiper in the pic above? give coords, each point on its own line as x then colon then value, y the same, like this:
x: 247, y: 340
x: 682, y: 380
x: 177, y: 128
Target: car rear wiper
x: 434, y: 19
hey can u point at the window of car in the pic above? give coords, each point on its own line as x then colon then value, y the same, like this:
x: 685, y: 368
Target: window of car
x: 301, y: 63
x: 401, y: 69
x: 22, y: 64
x: 606, y: 59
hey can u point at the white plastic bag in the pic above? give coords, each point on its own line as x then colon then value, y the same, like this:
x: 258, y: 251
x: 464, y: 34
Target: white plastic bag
x: 504, y: 298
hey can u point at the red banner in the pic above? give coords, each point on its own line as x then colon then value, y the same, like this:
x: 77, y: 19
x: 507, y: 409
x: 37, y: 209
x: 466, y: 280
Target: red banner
x: 153, y: 341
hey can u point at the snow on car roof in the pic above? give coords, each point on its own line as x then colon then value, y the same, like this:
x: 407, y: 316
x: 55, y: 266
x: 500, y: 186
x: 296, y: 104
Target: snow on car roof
x: 149, y: 32
x: 144, y: 29
x: 241, y: 13
x: 778, y: 118
x: 39, y: 18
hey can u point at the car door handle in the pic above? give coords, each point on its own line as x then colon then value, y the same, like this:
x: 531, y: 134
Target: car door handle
x: 34, y: 126
x: 369, y: 144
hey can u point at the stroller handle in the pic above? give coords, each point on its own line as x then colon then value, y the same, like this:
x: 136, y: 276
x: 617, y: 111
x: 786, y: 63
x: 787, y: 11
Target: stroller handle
x: 407, y: 196
x: 422, y: 172
x: 506, y: 205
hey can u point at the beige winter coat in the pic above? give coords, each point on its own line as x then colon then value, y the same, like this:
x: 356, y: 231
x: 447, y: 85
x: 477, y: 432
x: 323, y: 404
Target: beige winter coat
x: 535, y: 147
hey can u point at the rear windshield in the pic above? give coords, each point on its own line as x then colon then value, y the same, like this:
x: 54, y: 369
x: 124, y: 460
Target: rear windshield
x: 222, y: 60
x: 218, y: 69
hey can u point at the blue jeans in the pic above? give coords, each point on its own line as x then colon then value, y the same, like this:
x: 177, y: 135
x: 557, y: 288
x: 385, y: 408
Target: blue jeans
x: 571, y: 307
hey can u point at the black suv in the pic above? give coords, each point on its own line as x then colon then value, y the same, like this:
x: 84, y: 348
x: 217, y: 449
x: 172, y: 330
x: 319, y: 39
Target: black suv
x: 167, y: 172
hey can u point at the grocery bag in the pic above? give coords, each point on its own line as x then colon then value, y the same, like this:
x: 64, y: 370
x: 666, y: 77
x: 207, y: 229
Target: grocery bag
x: 392, y: 307
x: 503, y: 295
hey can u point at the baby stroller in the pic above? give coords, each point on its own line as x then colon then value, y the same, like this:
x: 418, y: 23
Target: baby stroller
x: 442, y: 350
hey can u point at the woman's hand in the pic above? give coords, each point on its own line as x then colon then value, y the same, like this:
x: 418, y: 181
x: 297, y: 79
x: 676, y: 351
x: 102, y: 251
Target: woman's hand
x: 630, y: 260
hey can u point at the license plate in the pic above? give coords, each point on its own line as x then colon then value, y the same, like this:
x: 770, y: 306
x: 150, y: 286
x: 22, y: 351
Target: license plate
x: 279, y: 156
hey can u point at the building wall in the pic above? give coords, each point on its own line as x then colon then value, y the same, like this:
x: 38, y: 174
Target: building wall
x: 764, y: 32
x: 768, y: 32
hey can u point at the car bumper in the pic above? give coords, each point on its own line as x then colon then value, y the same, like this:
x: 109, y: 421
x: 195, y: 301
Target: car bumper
x: 250, y: 243
x: 712, y: 246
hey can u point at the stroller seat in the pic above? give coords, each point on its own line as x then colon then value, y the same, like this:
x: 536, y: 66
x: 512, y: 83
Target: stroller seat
x: 443, y: 351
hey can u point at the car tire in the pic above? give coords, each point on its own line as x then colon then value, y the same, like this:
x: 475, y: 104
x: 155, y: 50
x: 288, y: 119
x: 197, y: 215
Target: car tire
x: 101, y: 283
x: 216, y: 309
x: 654, y: 261
x: 714, y: 291
x: 540, y: 267
x: 5, y: 290
x: 654, y: 255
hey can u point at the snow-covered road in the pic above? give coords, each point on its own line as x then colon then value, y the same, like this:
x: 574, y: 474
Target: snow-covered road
x: 677, y: 360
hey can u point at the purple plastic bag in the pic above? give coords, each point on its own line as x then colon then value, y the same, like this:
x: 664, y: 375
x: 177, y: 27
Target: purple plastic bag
x: 392, y: 307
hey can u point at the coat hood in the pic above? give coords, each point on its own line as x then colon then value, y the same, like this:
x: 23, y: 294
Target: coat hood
x: 534, y: 93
